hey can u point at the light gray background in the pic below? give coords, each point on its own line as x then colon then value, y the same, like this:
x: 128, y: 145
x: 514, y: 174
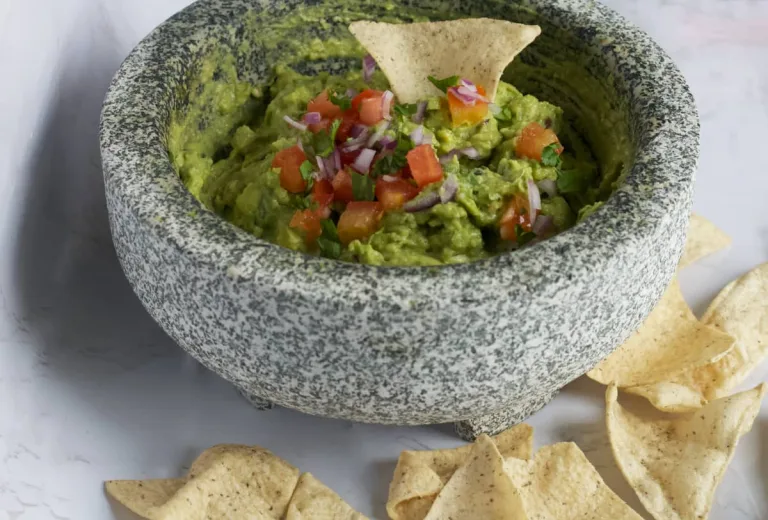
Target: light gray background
x: 91, y: 389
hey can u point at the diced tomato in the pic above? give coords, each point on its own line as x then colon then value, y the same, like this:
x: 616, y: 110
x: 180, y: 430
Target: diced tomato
x: 359, y: 221
x: 517, y: 213
x: 370, y: 110
x: 324, y: 124
x: 461, y: 113
x: 348, y: 119
x: 308, y: 222
x: 322, y: 192
x: 425, y: 168
x: 289, y: 160
x: 342, y: 187
x: 533, y: 139
x: 365, y: 94
x: 393, y: 194
x: 348, y: 158
x: 323, y: 105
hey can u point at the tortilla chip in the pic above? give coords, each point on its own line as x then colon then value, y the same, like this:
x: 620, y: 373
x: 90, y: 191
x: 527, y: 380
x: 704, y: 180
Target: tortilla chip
x: 670, y: 341
x: 704, y: 239
x: 477, y: 49
x: 561, y: 483
x: 739, y: 310
x: 143, y: 496
x: 226, y: 481
x: 674, y: 464
x: 479, y: 489
x: 313, y: 500
x: 420, y: 475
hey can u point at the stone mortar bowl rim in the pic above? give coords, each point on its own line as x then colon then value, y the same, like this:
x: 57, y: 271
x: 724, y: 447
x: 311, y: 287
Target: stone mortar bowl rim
x: 594, y: 244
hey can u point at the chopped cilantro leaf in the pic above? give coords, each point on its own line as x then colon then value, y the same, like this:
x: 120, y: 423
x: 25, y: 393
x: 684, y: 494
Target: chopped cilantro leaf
x: 523, y: 237
x: 362, y: 186
x: 329, y: 248
x: 550, y: 157
x: 392, y: 163
x: 342, y: 101
x: 444, y: 83
x: 406, y: 110
x: 335, y: 128
x: 306, y: 170
x: 329, y: 230
x: 322, y: 142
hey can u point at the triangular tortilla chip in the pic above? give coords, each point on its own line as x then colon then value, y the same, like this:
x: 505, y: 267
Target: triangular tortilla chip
x: 313, y: 500
x: 674, y: 464
x: 704, y: 239
x: 739, y: 310
x: 420, y: 475
x: 226, y: 481
x: 143, y: 496
x: 560, y: 482
x: 670, y: 341
x: 479, y: 489
x: 477, y: 49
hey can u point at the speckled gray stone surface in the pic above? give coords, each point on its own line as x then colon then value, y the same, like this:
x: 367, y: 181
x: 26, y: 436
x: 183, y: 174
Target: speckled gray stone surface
x: 494, y: 338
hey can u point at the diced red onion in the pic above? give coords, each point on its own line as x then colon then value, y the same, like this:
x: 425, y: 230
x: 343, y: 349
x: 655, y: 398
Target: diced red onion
x: 473, y: 94
x: 312, y: 118
x: 466, y: 99
x: 352, y: 146
x: 543, y: 225
x: 466, y: 83
x: 386, y: 104
x: 363, y: 161
x: 449, y: 189
x: 299, y: 144
x: 378, y: 134
x: 470, y: 152
x: 534, y: 199
x: 336, y: 159
x: 357, y: 130
x: 494, y: 108
x: 320, y: 165
x: 369, y: 66
x: 422, y: 203
x: 417, y: 136
x: 330, y: 167
x: 387, y: 143
x: 548, y: 186
x: 389, y: 178
x: 351, y: 92
x: 298, y: 126
x: 421, y: 109
x: 445, y: 159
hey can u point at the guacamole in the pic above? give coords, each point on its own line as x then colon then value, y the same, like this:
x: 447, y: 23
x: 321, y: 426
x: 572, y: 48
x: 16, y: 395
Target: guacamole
x: 333, y: 165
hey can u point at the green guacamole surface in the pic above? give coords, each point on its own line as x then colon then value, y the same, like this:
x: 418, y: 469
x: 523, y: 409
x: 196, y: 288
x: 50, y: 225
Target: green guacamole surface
x: 227, y: 165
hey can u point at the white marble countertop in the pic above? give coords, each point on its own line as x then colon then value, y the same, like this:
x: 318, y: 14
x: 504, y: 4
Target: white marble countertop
x: 91, y: 388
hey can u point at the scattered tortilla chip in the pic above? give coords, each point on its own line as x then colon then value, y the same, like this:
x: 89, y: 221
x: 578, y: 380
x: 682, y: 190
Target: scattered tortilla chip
x: 479, y: 489
x: 704, y: 239
x: 420, y: 475
x: 313, y: 500
x: 675, y: 464
x: 477, y: 49
x: 226, y: 481
x: 560, y: 482
x: 670, y: 341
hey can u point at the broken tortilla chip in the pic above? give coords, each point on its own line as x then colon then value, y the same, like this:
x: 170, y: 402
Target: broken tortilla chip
x: 226, y: 481
x: 477, y: 49
x: 675, y: 464
x: 704, y: 239
x: 479, y: 489
x: 313, y: 500
x: 560, y: 482
x: 670, y: 341
x: 420, y: 475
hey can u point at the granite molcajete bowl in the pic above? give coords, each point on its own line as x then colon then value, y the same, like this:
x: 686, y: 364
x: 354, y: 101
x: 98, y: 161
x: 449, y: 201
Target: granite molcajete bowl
x: 485, y: 343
